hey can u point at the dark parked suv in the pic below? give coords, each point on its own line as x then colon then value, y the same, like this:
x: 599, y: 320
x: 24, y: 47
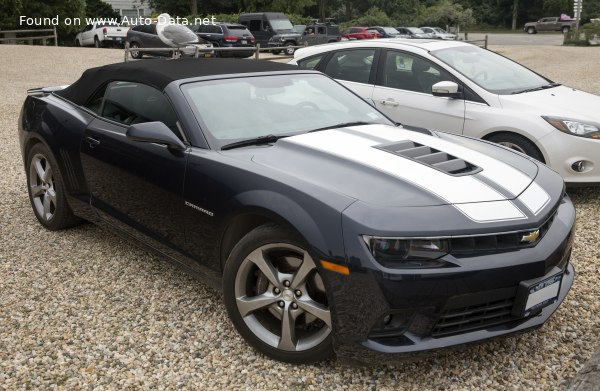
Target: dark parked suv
x: 226, y: 35
x: 144, y: 36
x: 315, y: 34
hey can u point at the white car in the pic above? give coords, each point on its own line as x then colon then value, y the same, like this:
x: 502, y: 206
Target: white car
x: 438, y: 33
x: 460, y: 88
x: 100, y: 34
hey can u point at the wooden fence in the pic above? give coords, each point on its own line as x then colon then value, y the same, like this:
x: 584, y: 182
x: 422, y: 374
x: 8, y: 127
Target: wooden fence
x: 14, y: 38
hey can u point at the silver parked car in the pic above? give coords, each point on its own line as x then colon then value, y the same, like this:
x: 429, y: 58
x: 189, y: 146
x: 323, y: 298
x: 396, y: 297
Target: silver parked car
x: 439, y: 33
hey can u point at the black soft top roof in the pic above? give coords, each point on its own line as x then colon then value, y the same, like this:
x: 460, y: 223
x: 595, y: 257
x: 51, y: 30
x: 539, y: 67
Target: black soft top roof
x: 159, y: 73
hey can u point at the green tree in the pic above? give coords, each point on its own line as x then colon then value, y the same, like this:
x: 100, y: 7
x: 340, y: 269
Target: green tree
x: 447, y: 13
x: 99, y: 9
x: 9, y: 13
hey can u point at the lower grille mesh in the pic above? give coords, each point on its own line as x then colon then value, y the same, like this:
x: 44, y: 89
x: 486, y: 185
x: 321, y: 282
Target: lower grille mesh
x: 463, y: 314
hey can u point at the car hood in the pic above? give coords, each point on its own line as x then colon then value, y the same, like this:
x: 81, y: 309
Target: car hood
x: 560, y: 101
x: 361, y: 162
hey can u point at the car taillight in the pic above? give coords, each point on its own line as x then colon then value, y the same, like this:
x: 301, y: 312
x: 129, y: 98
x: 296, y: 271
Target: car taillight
x: 230, y: 38
x: 252, y: 39
x: 104, y: 31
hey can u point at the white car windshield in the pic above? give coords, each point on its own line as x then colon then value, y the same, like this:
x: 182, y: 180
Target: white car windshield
x: 491, y: 71
x: 235, y: 109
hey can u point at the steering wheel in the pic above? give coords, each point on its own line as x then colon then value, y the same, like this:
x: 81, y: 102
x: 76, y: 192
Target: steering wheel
x: 481, y: 75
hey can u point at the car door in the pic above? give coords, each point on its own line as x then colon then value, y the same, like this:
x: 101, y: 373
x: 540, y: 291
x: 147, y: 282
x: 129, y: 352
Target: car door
x: 403, y: 92
x: 136, y: 186
x: 546, y: 24
x: 354, y: 68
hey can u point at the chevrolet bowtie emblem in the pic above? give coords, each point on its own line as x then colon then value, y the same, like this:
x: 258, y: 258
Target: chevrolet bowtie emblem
x: 530, y: 237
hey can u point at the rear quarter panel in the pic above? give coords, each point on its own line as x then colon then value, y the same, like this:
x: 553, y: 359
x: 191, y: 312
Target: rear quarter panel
x: 59, y: 125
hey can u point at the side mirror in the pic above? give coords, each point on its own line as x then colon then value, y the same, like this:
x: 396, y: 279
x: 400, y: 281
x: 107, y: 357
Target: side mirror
x: 155, y: 132
x: 447, y: 89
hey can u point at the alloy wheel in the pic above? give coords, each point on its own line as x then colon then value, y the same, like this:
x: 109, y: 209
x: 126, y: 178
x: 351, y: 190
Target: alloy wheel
x: 281, y: 298
x: 41, y: 183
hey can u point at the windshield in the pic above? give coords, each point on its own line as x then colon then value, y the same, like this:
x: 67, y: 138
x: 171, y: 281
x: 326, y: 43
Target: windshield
x: 230, y: 110
x: 391, y: 30
x: 415, y: 30
x: 489, y: 70
x: 299, y: 29
x: 281, y: 24
x: 439, y: 30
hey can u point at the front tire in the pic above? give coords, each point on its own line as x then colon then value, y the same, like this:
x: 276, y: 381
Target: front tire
x: 134, y: 51
x: 518, y: 143
x: 276, y: 297
x: 47, y: 190
x: 289, y: 48
x: 531, y: 30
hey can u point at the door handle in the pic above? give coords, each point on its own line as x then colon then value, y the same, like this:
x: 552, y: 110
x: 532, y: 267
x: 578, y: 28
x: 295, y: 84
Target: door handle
x: 92, y: 141
x: 387, y: 102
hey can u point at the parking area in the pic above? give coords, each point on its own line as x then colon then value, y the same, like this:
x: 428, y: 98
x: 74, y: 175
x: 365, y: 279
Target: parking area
x: 83, y: 308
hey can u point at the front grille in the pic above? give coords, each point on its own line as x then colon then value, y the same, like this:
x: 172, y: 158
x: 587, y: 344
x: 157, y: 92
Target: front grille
x: 497, y: 243
x: 471, y: 312
x: 431, y: 157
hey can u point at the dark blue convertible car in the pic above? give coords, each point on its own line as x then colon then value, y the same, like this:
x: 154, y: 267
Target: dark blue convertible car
x: 327, y: 227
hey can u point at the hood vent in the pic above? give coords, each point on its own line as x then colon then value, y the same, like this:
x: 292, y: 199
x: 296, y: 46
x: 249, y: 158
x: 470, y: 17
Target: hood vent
x: 430, y: 157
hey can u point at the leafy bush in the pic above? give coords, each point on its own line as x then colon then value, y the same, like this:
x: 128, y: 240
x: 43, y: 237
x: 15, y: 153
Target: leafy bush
x: 373, y: 17
x: 586, y: 34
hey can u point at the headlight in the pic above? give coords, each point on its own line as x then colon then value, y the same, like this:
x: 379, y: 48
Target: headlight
x: 575, y: 127
x: 408, y: 253
x: 282, y: 39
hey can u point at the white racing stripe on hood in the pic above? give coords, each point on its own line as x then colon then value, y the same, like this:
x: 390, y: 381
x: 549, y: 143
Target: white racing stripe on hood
x: 534, y: 198
x: 475, y: 199
x: 487, y: 212
x: 505, y: 176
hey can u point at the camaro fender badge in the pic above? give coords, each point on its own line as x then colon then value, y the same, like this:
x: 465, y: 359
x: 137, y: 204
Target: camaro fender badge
x: 199, y: 209
x: 531, y: 237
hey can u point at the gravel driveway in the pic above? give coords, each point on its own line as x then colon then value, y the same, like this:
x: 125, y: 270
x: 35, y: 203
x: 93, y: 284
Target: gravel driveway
x: 83, y: 308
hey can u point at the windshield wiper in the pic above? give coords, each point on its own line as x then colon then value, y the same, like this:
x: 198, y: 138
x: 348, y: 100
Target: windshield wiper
x: 268, y: 139
x: 546, y: 86
x: 343, y: 125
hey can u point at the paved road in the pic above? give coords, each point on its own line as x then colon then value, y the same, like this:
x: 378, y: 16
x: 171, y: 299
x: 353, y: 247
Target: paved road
x: 550, y: 39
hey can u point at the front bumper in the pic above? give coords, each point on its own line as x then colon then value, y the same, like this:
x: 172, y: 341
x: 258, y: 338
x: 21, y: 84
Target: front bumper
x: 421, y: 299
x: 562, y: 150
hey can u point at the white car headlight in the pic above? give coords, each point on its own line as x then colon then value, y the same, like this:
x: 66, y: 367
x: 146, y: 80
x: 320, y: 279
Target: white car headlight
x: 575, y: 127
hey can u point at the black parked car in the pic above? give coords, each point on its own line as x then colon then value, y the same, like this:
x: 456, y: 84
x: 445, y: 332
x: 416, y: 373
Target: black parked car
x: 326, y: 227
x: 301, y: 35
x: 145, y: 36
x: 226, y: 35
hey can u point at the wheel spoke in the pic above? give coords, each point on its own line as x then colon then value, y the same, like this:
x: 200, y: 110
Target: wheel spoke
x: 303, y: 271
x: 39, y: 169
x: 52, y: 195
x: 265, y: 266
x: 287, y: 341
x: 316, y: 309
x: 247, y: 305
x: 46, y: 204
x: 37, y: 191
x: 47, y: 174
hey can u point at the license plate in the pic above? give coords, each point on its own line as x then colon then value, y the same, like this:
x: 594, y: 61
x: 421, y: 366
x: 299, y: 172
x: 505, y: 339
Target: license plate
x: 207, y: 55
x: 540, y: 294
x: 244, y: 42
